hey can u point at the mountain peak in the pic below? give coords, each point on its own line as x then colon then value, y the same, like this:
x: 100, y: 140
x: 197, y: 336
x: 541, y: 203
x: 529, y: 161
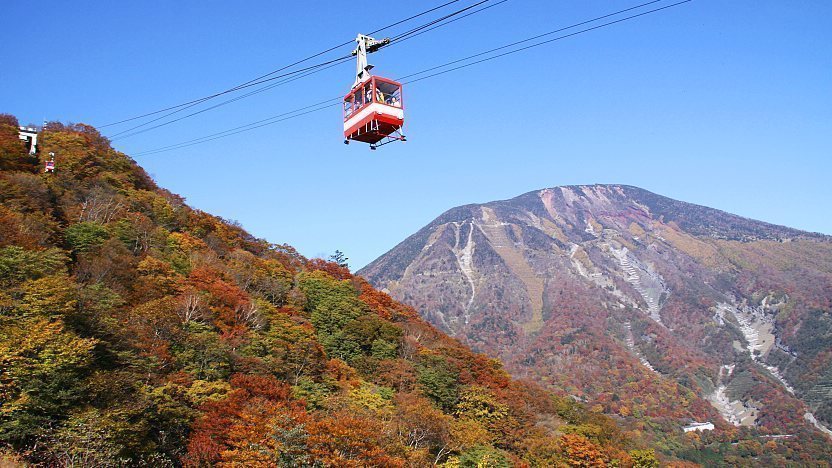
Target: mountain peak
x: 565, y: 212
x: 586, y: 280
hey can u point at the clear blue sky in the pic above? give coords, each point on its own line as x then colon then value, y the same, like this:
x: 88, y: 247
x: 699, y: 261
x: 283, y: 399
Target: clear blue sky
x: 725, y: 104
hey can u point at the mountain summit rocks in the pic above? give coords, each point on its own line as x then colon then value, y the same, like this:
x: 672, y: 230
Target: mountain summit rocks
x: 633, y: 301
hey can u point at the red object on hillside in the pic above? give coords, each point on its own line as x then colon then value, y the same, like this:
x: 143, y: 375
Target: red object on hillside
x: 50, y: 165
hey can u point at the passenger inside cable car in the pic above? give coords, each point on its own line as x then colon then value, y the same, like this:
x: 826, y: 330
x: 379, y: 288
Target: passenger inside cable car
x: 358, y: 100
x: 374, y: 91
x: 388, y: 93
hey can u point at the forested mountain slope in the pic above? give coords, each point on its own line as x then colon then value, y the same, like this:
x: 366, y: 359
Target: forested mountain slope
x: 136, y: 331
x: 656, y: 311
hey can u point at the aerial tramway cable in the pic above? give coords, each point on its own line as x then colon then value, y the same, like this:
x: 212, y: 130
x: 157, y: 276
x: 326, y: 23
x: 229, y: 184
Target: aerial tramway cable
x: 415, y: 30
x: 329, y: 103
x: 419, y: 33
x: 326, y: 104
x: 130, y: 131
x: 539, y: 43
x: 120, y: 136
x: 268, y: 76
x: 315, y: 69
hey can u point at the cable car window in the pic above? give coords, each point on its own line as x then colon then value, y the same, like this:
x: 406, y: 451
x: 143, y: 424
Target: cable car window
x: 368, y: 93
x: 390, y: 93
x: 348, y: 106
x: 358, y: 100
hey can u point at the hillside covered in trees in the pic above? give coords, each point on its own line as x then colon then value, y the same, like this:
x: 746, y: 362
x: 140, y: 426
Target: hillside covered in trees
x: 135, y: 330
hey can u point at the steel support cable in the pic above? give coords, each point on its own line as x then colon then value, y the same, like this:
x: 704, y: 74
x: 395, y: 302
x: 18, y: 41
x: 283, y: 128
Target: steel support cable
x: 322, y: 66
x: 431, y: 10
x: 248, y: 84
x: 573, y: 26
x: 121, y: 135
x: 531, y: 46
x: 318, y: 54
x: 329, y: 103
x: 433, y: 22
x: 244, y: 128
x: 308, y: 71
x: 399, y: 41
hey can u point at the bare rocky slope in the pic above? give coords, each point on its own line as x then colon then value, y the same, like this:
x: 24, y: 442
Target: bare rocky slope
x: 647, y: 307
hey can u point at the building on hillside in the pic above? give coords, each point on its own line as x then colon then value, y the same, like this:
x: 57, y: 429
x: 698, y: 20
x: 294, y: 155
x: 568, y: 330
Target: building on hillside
x: 30, y: 136
x: 699, y: 426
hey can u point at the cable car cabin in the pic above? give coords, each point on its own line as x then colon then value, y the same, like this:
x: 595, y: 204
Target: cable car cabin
x: 374, y: 111
x: 49, y: 167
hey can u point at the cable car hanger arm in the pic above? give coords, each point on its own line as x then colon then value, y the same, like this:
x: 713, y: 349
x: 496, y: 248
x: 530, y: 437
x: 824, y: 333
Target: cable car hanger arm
x: 366, y: 45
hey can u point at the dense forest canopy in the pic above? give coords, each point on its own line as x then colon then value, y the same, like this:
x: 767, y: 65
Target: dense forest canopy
x: 135, y: 330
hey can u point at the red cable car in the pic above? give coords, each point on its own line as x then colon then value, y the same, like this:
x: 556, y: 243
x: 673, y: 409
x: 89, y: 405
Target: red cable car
x: 373, y: 109
x: 50, y: 165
